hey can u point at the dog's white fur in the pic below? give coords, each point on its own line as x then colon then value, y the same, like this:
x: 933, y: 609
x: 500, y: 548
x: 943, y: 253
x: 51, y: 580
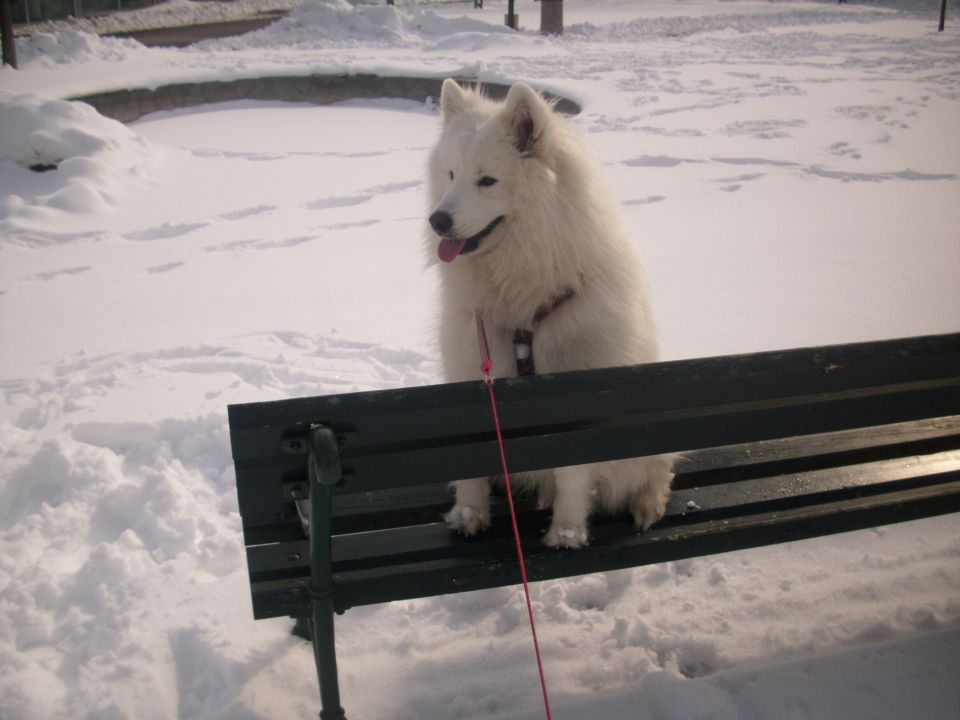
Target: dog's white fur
x: 560, y: 230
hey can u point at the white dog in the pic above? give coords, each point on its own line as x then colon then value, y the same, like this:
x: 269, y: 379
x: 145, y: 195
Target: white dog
x: 529, y: 238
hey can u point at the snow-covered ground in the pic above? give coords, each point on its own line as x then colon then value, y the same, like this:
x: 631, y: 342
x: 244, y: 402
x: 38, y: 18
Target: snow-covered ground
x: 791, y: 173
x: 171, y: 13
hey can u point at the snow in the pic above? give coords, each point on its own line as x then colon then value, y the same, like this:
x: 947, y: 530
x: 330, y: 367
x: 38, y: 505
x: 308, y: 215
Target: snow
x: 790, y: 171
x: 171, y: 13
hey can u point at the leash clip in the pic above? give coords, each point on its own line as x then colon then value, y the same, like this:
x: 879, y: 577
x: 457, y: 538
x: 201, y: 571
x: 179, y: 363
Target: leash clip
x: 486, y: 362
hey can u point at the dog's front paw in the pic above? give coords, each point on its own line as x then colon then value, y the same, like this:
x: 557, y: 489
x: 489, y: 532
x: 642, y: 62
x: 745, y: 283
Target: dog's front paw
x: 648, y: 508
x: 467, y: 520
x: 562, y: 535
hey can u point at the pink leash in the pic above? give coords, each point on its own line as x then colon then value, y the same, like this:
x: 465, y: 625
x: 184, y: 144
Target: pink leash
x: 486, y: 366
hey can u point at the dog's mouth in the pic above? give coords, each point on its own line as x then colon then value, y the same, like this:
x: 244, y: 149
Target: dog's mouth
x: 451, y: 248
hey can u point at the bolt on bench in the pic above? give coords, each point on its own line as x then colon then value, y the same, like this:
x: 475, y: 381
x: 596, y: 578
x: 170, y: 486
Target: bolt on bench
x: 341, y: 495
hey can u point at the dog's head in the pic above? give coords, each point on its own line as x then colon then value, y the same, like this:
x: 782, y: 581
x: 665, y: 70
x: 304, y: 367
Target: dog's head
x: 481, y: 164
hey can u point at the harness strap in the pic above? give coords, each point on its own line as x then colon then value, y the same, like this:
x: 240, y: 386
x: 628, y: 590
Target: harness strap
x: 523, y: 338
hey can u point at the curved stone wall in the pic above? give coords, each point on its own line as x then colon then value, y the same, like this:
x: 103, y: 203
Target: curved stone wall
x: 129, y: 105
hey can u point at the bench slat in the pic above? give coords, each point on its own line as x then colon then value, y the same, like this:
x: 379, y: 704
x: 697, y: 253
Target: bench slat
x: 741, y: 514
x: 662, y: 407
x: 425, y: 503
x: 385, y: 545
x: 436, y: 577
x: 422, y: 413
x: 650, y: 434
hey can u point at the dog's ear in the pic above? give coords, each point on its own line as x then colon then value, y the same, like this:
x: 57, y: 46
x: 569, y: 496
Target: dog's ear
x: 453, y: 100
x: 526, y: 115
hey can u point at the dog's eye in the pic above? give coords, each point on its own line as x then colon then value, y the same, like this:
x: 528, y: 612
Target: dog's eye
x: 486, y: 181
x: 451, y: 174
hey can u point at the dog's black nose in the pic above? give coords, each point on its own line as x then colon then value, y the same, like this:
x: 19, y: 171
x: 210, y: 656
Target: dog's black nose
x: 442, y: 222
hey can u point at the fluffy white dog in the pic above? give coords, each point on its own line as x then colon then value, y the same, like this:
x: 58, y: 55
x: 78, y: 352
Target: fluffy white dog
x: 529, y: 238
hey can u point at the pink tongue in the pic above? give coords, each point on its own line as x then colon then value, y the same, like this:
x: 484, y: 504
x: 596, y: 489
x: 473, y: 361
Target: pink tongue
x: 448, y: 249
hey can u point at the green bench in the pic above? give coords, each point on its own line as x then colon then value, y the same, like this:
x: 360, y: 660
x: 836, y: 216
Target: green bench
x: 341, y: 495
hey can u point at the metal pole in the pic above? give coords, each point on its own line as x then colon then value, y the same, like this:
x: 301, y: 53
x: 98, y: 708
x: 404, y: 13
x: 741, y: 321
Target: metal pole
x: 6, y: 35
x: 325, y: 472
x: 943, y: 14
x: 511, y: 20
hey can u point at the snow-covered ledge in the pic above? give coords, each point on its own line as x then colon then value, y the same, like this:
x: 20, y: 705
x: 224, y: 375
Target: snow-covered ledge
x: 129, y: 105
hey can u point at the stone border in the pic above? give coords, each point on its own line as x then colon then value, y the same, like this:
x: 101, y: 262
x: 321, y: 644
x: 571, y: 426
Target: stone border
x: 129, y: 105
x: 185, y: 35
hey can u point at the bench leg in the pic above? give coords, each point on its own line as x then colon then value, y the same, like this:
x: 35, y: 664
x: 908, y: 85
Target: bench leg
x: 325, y: 656
x: 324, y: 468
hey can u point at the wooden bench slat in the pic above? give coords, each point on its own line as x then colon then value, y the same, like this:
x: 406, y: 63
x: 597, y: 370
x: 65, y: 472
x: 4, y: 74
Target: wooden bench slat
x: 932, y: 429
x: 706, y: 538
x: 424, y: 503
x: 373, y: 423
x: 422, y: 413
x: 836, y: 490
x: 445, y: 463
x: 686, y: 405
x: 821, y: 451
x: 612, y: 548
x: 385, y: 545
x: 647, y: 434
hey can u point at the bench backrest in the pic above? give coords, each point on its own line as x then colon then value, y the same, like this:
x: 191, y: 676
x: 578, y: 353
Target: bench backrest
x: 398, y: 438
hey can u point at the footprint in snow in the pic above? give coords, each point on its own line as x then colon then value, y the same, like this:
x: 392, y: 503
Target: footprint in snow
x: 843, y: 149
x: 666, y: 132
x: 260, y: 244
x: 754, y: 161
x: 664, y: 161
x: 884, y: 114
x: 764, y: 129
x: 41, y: 239
x: 733, y: 184
x: 248, y: 212
x: 165, y: 231
x: 286, y: 242
x: 167, y: 267
x: 396, y: 187
x: 646, y: 200
x: 348, y: 225
x: 341, y: 201
x: 51, y: 274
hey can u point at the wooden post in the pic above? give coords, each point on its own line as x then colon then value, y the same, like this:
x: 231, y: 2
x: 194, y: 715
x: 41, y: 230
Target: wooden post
x: 551, y: 17
x: 6, y: 33
x: 943, y: 15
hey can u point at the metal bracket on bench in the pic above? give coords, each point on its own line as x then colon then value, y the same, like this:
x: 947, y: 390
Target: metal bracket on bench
x: 323, y: 467
x: 324, y: 456
x: 322, y: 449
